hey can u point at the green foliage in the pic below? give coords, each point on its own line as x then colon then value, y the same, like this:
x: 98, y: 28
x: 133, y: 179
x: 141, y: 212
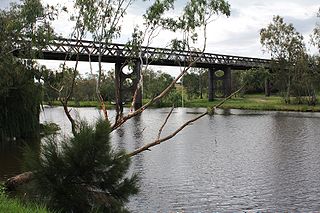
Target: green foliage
x: 108, y: 86
x: 47, y: 129
x: 155, y: 82
x: 195, y: 83
x: 287, y: 47
x: 254, y: 79
x: 282, y: 40
x: 82, y: 173
x: 173, y: 98
x: 20, y: 100
x: 254, y: 102
x: 26, y: 26
x: 316, y: 33
x: 58, y: 83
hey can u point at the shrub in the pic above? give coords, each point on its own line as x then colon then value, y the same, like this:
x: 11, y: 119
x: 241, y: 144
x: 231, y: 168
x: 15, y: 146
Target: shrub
x: 82, y: 173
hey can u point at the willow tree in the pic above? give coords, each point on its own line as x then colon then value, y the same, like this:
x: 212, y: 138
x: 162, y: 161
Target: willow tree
x: 25, y: 25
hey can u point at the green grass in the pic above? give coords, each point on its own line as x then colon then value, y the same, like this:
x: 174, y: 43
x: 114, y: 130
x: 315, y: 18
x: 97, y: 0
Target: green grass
x: 252, y: 102
x: 10, y: 205
x: 255, y: 102
x: 75, y: 103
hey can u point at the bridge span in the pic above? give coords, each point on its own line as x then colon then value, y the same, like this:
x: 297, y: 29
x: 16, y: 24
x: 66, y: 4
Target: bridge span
x: 84, y: 50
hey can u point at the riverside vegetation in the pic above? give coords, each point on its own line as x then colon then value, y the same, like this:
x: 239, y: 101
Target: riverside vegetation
x: 247, y: 101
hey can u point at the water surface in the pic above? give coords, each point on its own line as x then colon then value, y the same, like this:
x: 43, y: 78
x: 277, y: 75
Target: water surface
x: 236, y: 160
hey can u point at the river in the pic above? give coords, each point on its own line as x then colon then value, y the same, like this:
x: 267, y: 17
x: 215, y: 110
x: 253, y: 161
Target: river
x: 236, y: 160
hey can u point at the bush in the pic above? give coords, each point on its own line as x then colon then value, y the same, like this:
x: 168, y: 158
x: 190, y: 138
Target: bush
x: 82, y: 173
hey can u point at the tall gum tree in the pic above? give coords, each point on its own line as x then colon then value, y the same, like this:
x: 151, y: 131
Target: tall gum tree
x: 286, y: 47
x: 101, y: 19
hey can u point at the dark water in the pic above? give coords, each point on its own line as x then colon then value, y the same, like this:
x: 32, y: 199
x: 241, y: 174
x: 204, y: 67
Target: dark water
x: 233, y: 161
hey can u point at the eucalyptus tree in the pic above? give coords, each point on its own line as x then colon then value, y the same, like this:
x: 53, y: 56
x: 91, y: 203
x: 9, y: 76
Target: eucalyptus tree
x: 286, y: 47
x: 101, y: 19
x: 316, y: 33
x: 194, y: 82
x: 255, y: 79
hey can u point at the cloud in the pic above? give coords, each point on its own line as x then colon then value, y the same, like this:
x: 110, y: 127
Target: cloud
x: 236, y: 35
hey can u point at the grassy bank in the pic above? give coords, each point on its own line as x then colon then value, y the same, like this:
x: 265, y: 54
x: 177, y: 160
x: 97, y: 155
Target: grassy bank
x: 252, y: 102
x: 256, y: 102
x: 9, y: 205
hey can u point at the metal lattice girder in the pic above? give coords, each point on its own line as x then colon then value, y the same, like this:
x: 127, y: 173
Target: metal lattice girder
x: 61, y: 49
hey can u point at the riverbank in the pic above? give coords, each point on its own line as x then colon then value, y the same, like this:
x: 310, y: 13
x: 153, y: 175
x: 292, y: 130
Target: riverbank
x: 249, y: 102
x: 256, y: 102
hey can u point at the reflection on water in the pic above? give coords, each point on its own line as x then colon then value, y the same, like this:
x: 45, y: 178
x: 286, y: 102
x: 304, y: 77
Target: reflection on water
x: 11, y: 157
x: 236, y: 160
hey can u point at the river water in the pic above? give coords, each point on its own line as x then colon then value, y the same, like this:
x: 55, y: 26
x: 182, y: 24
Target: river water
x: 233, y: 161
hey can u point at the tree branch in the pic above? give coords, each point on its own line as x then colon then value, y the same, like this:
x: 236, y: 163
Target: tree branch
x: 159, y: 141
x: 165, y: 122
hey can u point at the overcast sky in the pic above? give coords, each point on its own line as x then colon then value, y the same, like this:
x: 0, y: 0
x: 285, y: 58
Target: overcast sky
x: 236, y: 35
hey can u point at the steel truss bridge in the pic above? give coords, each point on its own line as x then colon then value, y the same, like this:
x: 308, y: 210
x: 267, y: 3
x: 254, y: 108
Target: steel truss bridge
x: 120, y: 54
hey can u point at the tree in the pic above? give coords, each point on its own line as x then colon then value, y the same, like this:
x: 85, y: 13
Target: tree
x: 82, y: 173
x: 316, y: 33
x: 194, y: 82
x: 25, y: 25
x: 84, y: 89
x: 254, y: 79
x: 286, y: 47
x: 155, y: 82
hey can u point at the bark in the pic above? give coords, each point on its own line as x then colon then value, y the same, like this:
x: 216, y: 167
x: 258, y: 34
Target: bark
x: 14, y: 182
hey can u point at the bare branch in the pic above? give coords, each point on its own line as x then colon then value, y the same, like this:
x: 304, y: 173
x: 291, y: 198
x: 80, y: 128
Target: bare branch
x: 159, y: 141
x: 165, y: 122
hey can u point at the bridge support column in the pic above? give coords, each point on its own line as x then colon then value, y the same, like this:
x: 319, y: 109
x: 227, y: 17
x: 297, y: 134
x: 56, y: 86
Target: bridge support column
x: 227, y: 82
x: 122, y: 91
x: 219, y: 84
x: 267, y: 88
x: 211, y: 92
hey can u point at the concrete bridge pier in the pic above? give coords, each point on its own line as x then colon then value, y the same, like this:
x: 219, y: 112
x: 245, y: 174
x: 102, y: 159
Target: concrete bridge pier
x: 214, y: 87
x: 123, y: 91
x: 227, y: 90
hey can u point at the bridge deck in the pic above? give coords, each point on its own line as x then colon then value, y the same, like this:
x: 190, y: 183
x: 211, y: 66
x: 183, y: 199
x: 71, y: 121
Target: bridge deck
x: 62, y: 49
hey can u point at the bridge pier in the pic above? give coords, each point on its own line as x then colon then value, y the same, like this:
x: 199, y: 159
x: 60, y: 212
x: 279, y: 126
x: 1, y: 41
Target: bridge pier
x: 225, y: 89
x: 121, y: 90
x: 227, y: 82
x: 211, y: 92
